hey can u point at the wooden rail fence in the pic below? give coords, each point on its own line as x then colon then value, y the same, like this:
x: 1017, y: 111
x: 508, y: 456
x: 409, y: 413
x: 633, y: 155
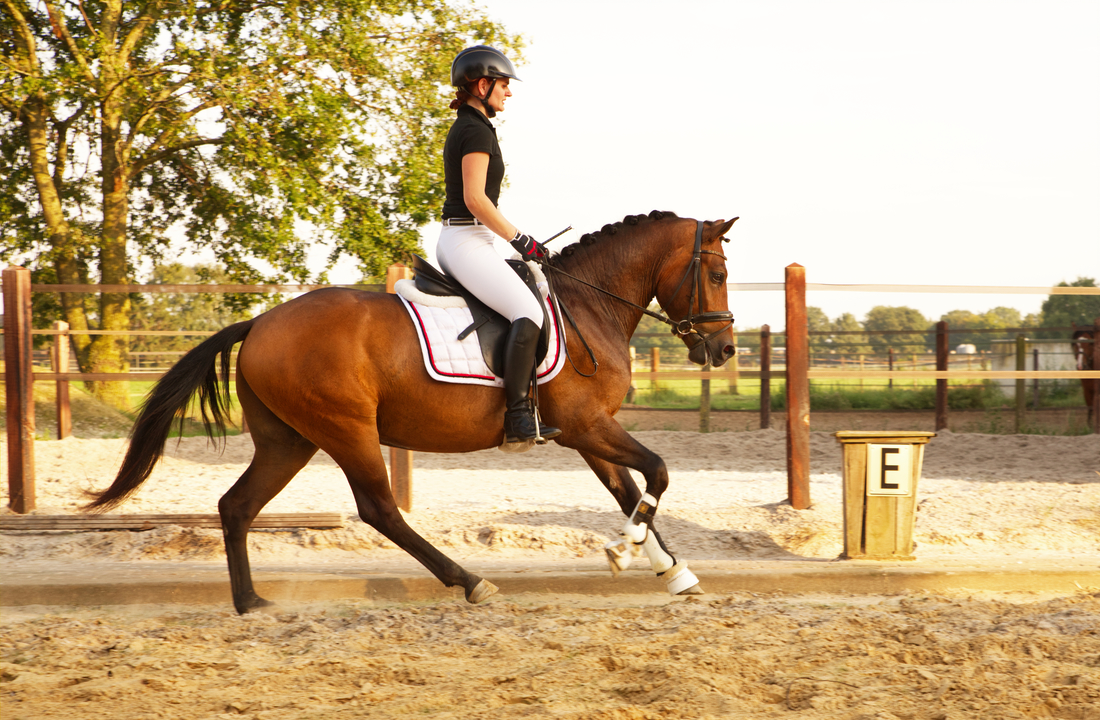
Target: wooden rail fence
x: 20, y: 375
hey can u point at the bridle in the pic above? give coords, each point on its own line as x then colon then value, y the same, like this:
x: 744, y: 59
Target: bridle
x: 683, y: 327
x: 687, y: 325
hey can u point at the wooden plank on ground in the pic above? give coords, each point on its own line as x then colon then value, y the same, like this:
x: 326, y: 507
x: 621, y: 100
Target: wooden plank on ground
x: 148, y: 522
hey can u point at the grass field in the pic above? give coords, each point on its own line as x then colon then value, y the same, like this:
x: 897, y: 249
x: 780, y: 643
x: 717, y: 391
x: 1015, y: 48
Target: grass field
x: 917, y: 394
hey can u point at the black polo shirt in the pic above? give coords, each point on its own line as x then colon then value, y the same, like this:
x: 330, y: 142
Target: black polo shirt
x: 471, y: 132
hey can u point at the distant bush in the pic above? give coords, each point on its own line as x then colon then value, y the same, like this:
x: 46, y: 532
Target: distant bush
x: 980, y: 397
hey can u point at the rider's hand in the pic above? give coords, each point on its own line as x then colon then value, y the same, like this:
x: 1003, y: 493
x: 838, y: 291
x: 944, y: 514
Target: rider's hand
x: 529, y: 247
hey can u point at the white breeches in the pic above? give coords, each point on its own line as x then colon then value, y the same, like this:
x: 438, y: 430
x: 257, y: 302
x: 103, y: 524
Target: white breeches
x: 466, y: 253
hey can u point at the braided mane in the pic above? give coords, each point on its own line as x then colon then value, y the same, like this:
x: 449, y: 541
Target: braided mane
x: 607, y: 231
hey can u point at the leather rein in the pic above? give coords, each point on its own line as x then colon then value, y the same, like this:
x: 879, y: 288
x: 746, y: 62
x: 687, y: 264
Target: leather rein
x: 682, y: 328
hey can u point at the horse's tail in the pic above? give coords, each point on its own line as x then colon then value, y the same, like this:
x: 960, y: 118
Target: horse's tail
x: 169, y: 399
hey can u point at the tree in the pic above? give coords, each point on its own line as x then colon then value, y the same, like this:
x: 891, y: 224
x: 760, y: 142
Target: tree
x: 652, y: 333
x: 846, y: 343
x: 255, y: 128
x: 884, y: 317
x: 818, y: 321
x: 1063, y: 311
x: 958, y: 321
x: 193, y: 311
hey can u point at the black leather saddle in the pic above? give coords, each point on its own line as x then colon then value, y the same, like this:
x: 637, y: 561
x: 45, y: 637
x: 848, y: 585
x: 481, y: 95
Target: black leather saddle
x: 491, y: 327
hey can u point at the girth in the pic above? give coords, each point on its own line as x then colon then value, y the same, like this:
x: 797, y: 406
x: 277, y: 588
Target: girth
x: 491, y: 327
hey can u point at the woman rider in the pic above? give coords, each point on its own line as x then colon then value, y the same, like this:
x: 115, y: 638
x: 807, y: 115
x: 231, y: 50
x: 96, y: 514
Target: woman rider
x: 474, y: 169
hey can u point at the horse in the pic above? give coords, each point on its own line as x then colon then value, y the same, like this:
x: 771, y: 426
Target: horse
x: 341, y: 370
x: 1083, y: 340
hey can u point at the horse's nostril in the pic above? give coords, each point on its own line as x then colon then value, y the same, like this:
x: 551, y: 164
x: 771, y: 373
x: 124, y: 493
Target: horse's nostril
x: 729, y: 351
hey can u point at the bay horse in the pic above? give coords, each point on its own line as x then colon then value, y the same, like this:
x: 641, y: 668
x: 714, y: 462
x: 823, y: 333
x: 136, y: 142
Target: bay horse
x: 341, y: 370
x: 1083, y: 340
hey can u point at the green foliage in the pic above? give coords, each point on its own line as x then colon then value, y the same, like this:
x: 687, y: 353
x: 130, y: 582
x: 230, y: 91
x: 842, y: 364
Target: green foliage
x: 958, y: 321
x: 817, y: 321
x: 922, y: 397
x: 848, y: 344
x: 883, y: 317
x: 177, y: 312
x: 748, y: 338
x: 662, y: 337
x: 258, y: 127
x: 1070, y: 310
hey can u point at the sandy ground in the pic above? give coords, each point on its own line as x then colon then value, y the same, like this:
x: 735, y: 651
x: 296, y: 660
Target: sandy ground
x: 992, y: 497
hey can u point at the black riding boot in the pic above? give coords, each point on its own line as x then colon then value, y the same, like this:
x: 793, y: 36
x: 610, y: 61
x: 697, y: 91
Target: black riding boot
x: 519, y: 365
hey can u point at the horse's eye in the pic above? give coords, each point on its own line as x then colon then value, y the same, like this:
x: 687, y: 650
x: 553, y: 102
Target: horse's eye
x: 718, y: 278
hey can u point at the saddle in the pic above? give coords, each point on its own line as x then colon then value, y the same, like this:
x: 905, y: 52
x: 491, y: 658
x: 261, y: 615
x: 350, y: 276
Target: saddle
x: 491, y: 327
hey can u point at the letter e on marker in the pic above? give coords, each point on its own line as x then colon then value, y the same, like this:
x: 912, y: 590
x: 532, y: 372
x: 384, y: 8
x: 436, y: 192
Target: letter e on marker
x: 889, y: 469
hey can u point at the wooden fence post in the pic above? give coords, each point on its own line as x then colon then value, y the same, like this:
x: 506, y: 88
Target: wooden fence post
x: 401, y: 460
x: 19, y: 385
x: 632, y: 391
x: 941, y: 385
x: 1021, y: 384
x: 765, y: 377
x: 1035, y: 382
x: 654, y: 366
x: 61, y: 365
x: 734, y: 370
x: 890, y: 357
x: 704, y: 402
x: 798, y: 389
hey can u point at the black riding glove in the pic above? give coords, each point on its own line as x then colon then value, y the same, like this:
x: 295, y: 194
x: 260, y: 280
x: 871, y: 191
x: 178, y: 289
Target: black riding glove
x: 529, y: 247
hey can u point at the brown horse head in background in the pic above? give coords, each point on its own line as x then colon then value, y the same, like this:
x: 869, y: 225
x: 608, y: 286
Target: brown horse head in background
x: 341, y: 370
x: 1083, y: 342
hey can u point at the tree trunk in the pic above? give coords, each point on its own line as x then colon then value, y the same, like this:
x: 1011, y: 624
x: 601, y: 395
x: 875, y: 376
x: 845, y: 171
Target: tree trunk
x: 110, y: 353
x: 36, y: 121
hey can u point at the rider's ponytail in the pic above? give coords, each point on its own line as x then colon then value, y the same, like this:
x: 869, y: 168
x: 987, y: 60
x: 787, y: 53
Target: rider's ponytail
x: 461, y: 96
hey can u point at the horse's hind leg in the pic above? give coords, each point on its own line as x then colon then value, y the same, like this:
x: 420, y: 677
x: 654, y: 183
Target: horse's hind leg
x: 617, y: 479
x: 280, y: 453
x: 361, y: 460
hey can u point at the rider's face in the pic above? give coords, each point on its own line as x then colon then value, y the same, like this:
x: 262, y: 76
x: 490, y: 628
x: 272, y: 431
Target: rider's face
x: 501, y: 91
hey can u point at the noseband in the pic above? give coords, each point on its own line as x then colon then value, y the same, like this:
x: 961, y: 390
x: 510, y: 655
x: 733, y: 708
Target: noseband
x: 679, y: 327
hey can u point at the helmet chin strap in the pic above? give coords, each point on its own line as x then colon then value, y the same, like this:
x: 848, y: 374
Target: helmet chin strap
x: 490, y: 112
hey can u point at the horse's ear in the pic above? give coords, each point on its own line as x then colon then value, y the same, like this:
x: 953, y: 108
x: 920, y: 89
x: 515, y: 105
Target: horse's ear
x: 721, y: 227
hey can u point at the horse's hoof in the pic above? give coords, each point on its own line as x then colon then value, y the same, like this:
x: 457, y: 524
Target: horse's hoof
x: 681, y: 581
x: 619, y: 556
x: 253, y: 604
x: 481, y: 591
x: 517, y: 447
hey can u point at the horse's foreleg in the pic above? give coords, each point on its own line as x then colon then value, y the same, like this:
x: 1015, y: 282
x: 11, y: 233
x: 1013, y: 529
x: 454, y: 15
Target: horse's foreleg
x: 639, y: 530
x: 366, y: 473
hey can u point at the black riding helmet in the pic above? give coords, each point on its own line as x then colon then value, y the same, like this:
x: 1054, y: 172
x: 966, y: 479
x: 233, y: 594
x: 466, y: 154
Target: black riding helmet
x: 481, y: 61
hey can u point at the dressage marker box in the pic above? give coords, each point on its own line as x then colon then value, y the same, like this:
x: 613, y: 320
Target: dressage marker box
x: 881, y: 470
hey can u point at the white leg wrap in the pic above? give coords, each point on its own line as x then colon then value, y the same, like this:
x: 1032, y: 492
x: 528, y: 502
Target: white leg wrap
x: 636, y: 527
x: 619, y: 555
x: 658, y: 558
x: 679, y: 580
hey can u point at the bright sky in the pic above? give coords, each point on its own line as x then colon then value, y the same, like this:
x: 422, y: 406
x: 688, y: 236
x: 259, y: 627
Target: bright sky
x: 952, y: 142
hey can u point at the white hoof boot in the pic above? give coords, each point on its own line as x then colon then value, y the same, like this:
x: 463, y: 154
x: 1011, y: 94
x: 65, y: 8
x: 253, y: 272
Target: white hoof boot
x: 681, y: 581
x: 619, y: 555
x: 481, y: 591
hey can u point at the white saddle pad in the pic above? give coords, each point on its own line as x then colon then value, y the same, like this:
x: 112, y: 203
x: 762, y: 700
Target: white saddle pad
x: 439, y: 320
